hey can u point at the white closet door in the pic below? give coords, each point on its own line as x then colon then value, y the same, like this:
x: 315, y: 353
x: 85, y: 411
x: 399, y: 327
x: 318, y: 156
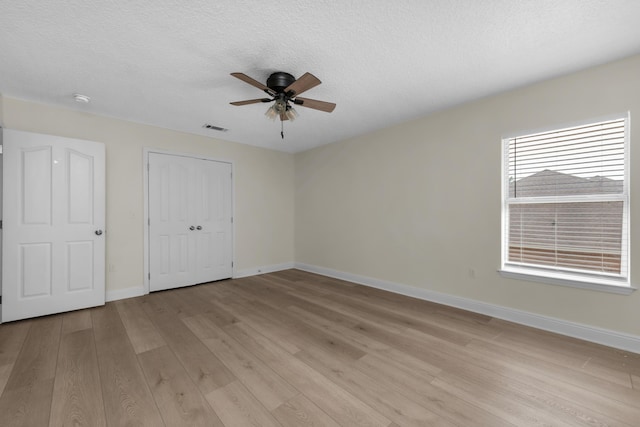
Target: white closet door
x: 189, y: 200
x: 171, y: 215
x: 213, y: 221
x: 54, y: 217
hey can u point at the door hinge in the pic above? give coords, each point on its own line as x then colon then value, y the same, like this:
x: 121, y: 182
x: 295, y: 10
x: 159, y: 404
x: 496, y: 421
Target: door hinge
x: 149, y: 276
x: 231, y: 264
x: 1, y: 224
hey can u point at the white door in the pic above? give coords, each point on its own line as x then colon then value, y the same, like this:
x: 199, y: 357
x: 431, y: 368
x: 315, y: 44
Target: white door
x: 171, y: 242
x: 54, y: 215
x: 214, y: 246
x: 189, y: 221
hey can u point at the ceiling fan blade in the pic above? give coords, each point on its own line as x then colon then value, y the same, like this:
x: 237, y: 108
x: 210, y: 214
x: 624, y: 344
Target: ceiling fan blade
x: 251, y: 101
x: 304, y: 83
x: 253, y: 82
x: 315, y: 104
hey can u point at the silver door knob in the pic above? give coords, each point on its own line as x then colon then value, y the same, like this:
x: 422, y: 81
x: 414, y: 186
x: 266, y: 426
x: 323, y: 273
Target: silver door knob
x: 192, y: 228
x: 98, y: 232
x: 199, y: 227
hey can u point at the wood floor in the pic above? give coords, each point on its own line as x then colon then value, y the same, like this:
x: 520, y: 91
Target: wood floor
x: 297, y: 349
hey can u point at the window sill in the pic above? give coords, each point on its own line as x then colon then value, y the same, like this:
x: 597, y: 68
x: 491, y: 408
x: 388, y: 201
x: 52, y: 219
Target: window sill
x: 574, y: 282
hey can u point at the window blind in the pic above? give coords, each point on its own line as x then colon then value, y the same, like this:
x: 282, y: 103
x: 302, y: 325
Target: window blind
x: 566, y: 199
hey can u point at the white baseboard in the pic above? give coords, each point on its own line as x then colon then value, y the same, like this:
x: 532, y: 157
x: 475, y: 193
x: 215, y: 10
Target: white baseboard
x: 594, y: 334
x: 262, y: 270
x: 136, y: 291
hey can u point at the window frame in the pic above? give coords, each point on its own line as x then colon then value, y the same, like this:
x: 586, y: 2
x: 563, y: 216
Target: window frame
x: 565, y: 276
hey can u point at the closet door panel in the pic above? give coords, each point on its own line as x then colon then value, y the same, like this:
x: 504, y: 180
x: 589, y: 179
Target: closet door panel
x: 171, y: 214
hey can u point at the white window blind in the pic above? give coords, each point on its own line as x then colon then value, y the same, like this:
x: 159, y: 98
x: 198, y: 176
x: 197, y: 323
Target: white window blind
x: 566, y: 200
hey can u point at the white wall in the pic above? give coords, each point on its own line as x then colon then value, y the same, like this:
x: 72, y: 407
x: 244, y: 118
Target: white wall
x: 263, y: 182
x: 419, y: 204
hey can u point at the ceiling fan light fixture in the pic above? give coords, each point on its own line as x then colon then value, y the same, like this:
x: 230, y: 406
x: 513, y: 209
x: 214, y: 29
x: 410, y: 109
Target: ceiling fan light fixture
x: 271, y: 113
x: 291, y: 113
x: 279, y: 107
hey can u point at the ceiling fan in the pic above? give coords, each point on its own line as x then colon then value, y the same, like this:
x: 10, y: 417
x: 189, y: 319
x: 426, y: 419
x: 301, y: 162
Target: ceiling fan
x: 284, y: 89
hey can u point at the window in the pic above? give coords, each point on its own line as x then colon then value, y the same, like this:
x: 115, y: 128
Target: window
x: 566, y: 204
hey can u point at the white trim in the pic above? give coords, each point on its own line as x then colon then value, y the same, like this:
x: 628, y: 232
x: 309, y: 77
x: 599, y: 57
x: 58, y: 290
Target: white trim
x: 145, y: 174
x: 118, y: 294
x: 597, y: 335
x: 565, y: 125
x: 263, y: 270
x: 145, y: 218
x: 138, y: 291
x: 563, y: 279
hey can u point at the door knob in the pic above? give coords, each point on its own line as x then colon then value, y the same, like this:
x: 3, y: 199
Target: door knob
x: 199, y: 227
x: 192, y: 228
x: 98, y: 232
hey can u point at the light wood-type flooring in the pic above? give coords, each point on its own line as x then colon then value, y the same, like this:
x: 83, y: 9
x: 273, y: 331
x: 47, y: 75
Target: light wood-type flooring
x: 297, y: 349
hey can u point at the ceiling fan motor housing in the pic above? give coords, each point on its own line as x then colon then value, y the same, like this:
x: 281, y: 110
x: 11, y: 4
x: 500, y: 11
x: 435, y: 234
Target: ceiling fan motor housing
x: 279, y: 81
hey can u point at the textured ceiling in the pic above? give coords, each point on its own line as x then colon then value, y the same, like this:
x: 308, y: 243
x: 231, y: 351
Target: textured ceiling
x: 167, y: 63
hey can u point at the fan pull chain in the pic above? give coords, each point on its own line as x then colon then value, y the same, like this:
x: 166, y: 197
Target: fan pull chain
x: 282, y: 128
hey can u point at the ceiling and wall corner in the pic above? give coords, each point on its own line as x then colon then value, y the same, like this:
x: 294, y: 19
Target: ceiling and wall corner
x: 167, y: 63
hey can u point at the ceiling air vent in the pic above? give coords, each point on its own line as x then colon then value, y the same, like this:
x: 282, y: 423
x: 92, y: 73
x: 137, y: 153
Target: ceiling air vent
x: 212, y: 127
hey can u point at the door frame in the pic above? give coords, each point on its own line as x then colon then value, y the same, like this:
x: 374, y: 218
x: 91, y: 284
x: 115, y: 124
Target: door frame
x: 145, y: 161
